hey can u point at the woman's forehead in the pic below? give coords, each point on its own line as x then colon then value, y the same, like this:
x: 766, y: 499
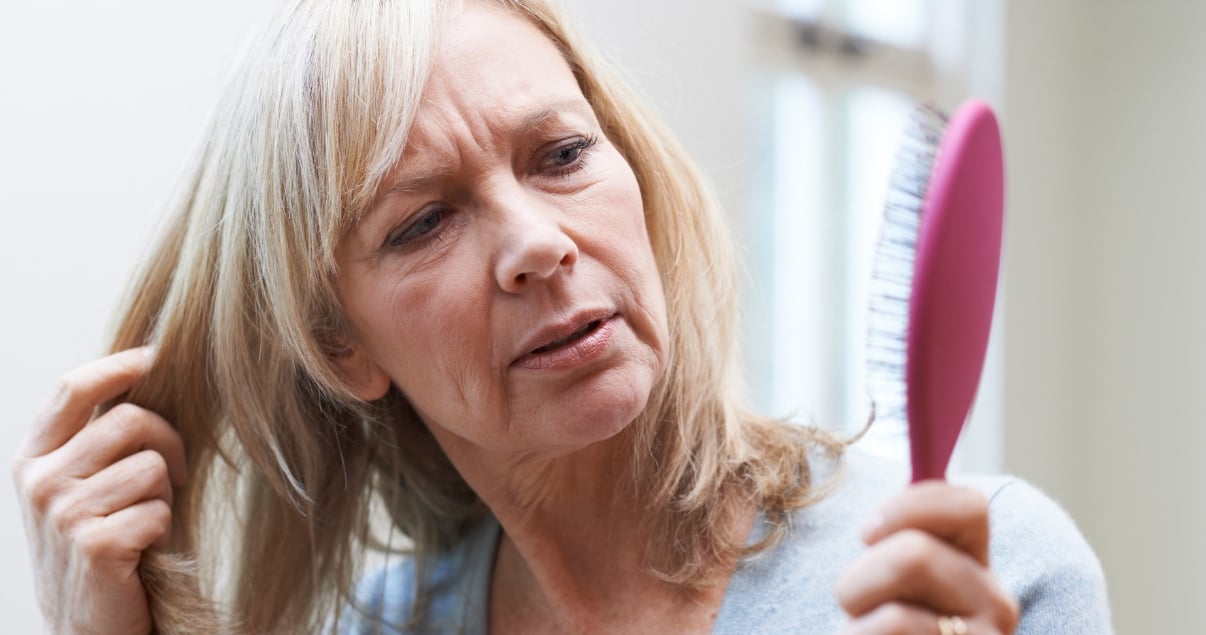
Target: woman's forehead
x: 496, y: 75
x: 485, y: 46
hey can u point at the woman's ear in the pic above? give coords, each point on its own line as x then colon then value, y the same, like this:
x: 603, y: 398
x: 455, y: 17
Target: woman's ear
x: 367, y: 380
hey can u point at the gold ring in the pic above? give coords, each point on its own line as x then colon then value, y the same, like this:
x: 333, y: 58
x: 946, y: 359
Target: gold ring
x: 953, y: 625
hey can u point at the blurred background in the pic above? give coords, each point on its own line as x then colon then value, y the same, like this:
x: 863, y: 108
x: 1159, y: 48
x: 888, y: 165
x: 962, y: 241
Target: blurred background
x: 1093, y: 389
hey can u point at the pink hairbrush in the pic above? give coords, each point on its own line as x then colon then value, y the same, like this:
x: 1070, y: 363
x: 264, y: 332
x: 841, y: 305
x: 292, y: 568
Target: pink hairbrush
x: 936, y: 279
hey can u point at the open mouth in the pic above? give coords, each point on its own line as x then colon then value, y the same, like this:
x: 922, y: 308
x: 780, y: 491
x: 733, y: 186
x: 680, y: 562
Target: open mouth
x: 581, y: 332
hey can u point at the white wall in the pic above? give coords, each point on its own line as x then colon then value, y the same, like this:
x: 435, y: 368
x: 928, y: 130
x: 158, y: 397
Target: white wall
x: 1106, y: 326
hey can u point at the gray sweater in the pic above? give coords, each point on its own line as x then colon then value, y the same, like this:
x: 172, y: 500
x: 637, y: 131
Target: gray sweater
x: 1037, y: 553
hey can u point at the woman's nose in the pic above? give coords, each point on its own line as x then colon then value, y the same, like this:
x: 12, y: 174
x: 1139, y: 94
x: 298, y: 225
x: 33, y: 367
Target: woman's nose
x: 536, y: 248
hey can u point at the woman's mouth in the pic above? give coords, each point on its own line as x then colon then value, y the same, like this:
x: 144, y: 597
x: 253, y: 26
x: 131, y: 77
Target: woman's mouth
x: 573, y: 349
x: 576, y: 335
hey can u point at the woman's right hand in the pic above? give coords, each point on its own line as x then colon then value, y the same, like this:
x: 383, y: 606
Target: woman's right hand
x: 95, y: 493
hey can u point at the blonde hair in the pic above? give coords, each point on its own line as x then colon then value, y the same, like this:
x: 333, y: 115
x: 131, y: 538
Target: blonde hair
x: 239, y: 298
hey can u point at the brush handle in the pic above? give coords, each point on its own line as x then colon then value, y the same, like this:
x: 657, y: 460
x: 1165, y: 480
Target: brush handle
x: 954, y: 285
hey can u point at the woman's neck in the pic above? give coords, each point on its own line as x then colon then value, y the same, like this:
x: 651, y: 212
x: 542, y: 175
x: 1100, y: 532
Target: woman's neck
x: 573, y: 554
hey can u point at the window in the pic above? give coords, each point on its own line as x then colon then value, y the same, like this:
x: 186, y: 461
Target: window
x: 836, y: 84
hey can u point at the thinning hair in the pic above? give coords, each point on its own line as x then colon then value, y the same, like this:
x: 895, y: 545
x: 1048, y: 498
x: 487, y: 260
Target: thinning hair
x: 239, y: 296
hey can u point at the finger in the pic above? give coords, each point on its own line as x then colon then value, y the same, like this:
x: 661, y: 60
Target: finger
x: 79, y: 392
x: 124, y: 430
x: 895, y: 618
x: 140, y: 477
x: 122, y: 536
x: 957, y: 515
x: 914, y: 567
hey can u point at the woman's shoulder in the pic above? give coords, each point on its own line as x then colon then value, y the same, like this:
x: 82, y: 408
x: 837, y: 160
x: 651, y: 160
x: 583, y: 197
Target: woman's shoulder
x: 1038, y: 554
x: 1043, y: 559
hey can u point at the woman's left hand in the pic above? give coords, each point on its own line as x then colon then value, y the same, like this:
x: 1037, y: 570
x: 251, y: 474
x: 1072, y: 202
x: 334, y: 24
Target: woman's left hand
x: 926, y: 569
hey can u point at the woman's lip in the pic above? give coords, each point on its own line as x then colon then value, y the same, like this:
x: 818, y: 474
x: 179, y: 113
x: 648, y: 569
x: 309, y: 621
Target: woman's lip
x: 560, y: 328
x: 581, y: 350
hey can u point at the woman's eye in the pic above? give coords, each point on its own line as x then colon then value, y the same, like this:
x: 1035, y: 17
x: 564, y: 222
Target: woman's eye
x: 568, y: 157
x: 419, y: 232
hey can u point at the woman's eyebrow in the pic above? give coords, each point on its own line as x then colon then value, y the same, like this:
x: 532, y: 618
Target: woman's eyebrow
x: 543, y: 115
x: 420, y: 181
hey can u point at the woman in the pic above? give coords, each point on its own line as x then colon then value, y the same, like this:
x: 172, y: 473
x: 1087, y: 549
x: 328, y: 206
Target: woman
x: 435, y: 257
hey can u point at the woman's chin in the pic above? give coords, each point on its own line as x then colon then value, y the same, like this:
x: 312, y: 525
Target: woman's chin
x: 595, y: 413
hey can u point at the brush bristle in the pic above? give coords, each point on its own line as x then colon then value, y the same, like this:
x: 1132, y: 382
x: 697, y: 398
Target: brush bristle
x: 892, y: 274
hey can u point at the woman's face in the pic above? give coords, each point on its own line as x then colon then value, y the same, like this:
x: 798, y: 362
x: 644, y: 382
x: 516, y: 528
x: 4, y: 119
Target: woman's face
x: 504, y: 280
